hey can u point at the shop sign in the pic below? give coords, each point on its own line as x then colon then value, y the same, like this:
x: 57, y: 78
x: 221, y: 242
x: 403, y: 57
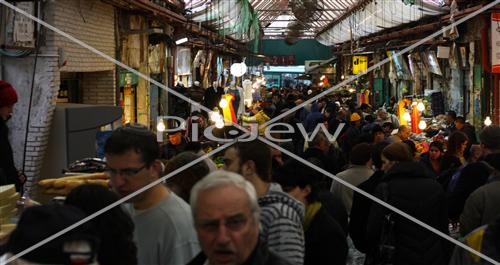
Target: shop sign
x: 359, y: 64
x: 495, y: 42
x: 128, y: 79
x: 282, y: 59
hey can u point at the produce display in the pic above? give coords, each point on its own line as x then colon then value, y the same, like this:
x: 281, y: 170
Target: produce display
x: 63, y: 186
x: 8, y: 200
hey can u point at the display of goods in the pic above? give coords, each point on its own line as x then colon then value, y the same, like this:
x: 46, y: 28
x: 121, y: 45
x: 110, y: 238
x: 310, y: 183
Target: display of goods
x: 8, y: 202
x: 63, y: 186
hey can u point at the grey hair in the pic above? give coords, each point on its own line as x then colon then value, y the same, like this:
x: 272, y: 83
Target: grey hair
x: 222, y: 178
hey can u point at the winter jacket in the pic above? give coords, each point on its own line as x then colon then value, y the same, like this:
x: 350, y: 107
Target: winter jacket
x: 313, y: 118
x: 261, y: 255
x: 212, y: 97
x: 325, y: 241
x: 481, y: 207
x: 484, y: 240
x: 355, y: 175
x: 360, y: 211
x: 416, y: 193
x: 8, y: 171
x: 463, y: 184
x: 259, y: 118
x: 281, y: 218
x: 334, y: 207
x: 196, y: 93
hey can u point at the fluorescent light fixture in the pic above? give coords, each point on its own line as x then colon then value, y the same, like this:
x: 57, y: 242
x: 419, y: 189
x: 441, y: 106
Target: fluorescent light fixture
x: 181, y: 41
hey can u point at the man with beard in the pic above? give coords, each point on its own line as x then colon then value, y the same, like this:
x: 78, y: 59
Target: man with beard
x: 163, y: 233
x: 226, y: 217
x: 8, y: 171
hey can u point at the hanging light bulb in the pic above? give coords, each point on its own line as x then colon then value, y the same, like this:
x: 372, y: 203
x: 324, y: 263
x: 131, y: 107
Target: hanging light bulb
x: 214, y: 116
x: 342, y: 77
x: 223, y: 103
x: 160, y: 126
x: 420, y: 106
x: 407, y: 116
x: 422, y: 125
x: 219, y: 124
x: 487, y: 121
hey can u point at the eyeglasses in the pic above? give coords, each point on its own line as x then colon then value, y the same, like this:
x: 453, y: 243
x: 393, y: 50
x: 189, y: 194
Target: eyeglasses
x: 126, y: 172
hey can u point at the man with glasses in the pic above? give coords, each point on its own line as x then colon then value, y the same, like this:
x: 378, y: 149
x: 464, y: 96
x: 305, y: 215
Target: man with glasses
x: 163, y: 231
x: 226, y: 217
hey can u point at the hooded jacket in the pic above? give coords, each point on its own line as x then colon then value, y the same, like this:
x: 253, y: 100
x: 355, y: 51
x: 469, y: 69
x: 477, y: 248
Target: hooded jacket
x: 281, y: 220
x: 413, y: 191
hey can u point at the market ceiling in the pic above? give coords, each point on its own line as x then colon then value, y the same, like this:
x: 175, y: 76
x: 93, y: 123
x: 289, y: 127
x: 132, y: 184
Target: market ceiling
x: 329, y: 21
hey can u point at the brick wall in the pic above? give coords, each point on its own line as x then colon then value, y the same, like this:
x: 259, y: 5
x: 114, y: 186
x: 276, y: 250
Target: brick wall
x: 90, y: 21
x: 98, y: 88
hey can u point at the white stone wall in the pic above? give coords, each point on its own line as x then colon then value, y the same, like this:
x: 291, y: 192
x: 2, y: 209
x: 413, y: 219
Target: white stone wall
x: 91, y: 21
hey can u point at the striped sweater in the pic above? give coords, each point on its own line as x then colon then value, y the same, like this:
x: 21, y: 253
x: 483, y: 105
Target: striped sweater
x: 281, y: 224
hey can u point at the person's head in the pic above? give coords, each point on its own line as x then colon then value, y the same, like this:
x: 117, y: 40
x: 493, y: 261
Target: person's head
x: 451, y: 116
x: 404, y: 132
x: 412, y: 146
x: 226, y: 217
x: 490, y: 139
x: 356, y: 119
x: 388, y: 127
x: 299, y: 181
x: 115, y: 228
x: 457, y: 143
x: 377, y: 134
x: 37, y: 223
x: 132, y: 160
x: 320, y: 141
x: 382, y: 114
x: 215, y: 84
x: 182, y: 182
x: 459, y: 122
x: 8, y: 97
x: 436, y: 150
x: 377, y: 154
x: 175, y: 138
x: 395, y: 153
x: 361, y: 154
x: 250, y: 159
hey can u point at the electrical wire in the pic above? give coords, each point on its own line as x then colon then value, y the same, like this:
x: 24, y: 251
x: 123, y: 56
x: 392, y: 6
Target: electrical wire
x: 37, y: 43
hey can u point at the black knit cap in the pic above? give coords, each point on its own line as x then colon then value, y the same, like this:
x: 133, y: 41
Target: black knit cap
x: 40, y: 222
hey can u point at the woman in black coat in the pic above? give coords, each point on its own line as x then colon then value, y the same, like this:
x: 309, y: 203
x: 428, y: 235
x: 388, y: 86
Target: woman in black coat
x: 408, y: 187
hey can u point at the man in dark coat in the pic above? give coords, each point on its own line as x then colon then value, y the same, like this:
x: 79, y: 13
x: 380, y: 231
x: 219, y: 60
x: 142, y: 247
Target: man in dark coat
x: 408, y: 188
x: 8, y: 171
x: 179, y: 106
x: 226, y: 218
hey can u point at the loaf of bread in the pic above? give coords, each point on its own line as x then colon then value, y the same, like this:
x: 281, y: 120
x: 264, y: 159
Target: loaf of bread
x: 63, y: 186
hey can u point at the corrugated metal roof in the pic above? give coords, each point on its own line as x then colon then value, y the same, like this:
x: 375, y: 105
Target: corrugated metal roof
x: 275, y: 15
x: 379, y: 15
